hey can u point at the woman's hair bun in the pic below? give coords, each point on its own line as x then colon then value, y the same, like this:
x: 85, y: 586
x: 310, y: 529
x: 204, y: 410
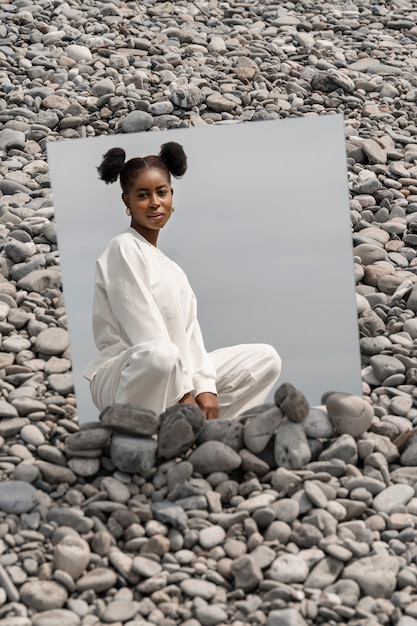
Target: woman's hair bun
x: 111, y: 165
x: 174, y: 157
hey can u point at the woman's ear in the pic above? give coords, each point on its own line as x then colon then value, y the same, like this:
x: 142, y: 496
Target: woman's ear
x: 124, y: 198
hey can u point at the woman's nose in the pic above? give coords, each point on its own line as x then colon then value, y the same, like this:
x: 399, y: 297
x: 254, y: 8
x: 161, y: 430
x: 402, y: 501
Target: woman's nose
x: 154, y: 200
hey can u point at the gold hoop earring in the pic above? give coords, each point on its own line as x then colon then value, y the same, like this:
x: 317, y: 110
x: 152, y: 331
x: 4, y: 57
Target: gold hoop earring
x: 128, y: 212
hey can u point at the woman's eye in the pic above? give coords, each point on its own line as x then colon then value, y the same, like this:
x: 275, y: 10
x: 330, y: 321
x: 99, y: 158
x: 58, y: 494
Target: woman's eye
x: 163, y: 192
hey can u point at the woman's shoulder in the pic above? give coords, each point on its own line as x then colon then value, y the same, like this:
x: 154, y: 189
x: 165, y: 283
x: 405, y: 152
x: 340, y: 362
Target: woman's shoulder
x: 126, y: 240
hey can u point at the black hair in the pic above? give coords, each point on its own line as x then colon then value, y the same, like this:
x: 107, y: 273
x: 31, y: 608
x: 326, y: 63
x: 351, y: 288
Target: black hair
x: 171, y: 159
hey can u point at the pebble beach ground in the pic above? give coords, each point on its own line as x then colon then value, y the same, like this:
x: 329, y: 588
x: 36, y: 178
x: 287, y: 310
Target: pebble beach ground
x: 330, y: 536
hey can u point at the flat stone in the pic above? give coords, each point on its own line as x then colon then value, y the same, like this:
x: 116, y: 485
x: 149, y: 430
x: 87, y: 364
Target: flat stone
x: 146, y: 567
x: 389, y: 499
x: 88, y: 439
x: 196, y: 587
x: 17, y: 497
x: 63, y: 617
x: 130, y: 419
x: 100, y: 579
x: 285, y: 617
x: 317, y: 424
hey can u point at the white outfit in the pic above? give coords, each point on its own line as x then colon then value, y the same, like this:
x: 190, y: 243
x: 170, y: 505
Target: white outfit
x: 151, y: 348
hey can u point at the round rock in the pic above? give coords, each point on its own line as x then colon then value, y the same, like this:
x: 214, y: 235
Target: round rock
x: 52, y: 341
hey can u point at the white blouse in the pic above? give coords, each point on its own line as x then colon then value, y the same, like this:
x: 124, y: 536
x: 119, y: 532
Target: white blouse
x: 141, y: 295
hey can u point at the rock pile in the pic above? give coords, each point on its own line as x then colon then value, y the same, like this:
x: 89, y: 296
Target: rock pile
x: 327, y: 537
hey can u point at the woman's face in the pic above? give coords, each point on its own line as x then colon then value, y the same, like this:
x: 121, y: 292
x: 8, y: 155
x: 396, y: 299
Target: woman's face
x: 149, y: 200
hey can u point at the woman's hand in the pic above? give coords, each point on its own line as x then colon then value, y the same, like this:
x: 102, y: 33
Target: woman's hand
x: 208, y: 404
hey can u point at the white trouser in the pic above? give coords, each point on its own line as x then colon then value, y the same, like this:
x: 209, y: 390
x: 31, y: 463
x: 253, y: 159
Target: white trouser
x: 150, y: 375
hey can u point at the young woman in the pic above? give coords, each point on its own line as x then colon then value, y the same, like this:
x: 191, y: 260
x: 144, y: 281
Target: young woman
x: 145, y: 316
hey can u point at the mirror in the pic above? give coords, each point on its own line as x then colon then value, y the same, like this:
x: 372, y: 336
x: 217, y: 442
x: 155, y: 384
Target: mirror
x: 261, y: 228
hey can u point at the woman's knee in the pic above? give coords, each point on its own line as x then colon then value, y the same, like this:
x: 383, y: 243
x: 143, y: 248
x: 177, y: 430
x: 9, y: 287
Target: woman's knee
x: 163, y: 358
x: 269, y: 360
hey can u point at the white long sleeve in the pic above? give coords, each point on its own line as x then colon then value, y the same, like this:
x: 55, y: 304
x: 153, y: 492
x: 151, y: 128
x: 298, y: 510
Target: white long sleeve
x: 142, y: 296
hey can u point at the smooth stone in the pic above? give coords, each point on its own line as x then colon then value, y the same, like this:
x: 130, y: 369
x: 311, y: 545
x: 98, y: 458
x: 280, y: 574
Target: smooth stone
x: 63, y: 384
x: 374, y: 345
x: 180, y: 427
x: 247, y: 574
x: 409, y: 455
x: 210, y: 615
x: 100, y: 579
x: 211, y: 536
x: 63, y: 617
x: 344, y: 447
x: 187, y: 96
x: 119, y: 611
x: 84, y: 466
x: 103, y: 87
x: 289, y: 568
x: 88, y: 439
x: 136, y: 121
x: 31, y: 434
x: 52, y: 341
x: 252, y: 463
x: 146, y: 567
x: 315, y: 493
x: 285, y: 617
x: 71, y: 555
x: 11, y: 139
x: 389, y: 499
x: 292, y: 403
x: 385, y: 366
x: 228, y: 431
x: 324, y: 573
x: 7, y: 411
x: 130, y: 420
x: 258, y: 430
x: 116, y: 490
x: 195, y: 587
x: 376, y: 575
x: 134, y: 455
x: 214, y: 455
x: 40, y: 280
x: 17, y: 497
x: 43, y: 595
x: 55, y: 474
x: 257, y: 502
x: 81, y: 54
x: 317, y: 424
x: 291, y: 448
x: 349, y: 414
x: 369, y: 253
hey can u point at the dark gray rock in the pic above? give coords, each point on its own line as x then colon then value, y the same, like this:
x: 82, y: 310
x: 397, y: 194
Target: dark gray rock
x: 180, y: 427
